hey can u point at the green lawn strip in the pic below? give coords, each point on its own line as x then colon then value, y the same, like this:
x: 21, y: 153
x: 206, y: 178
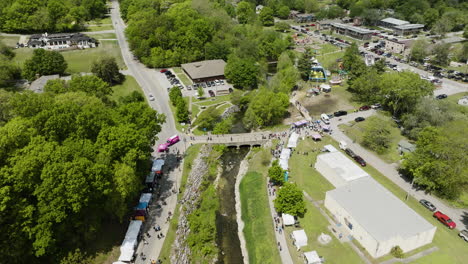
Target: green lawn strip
x: 329, y: 59
x: 455, y: 97
x: 124, y: 89
x: 300, y: 171
x: 343, y: 93
x: 94, y: 28
x: 195, y: 110
x: 177, y: 70
x: 190, y: 156
x: 276, y: 128
x: 211, y: 100
x: 314, y: 223
x: 327, y: 48
x: 79, y: 60
x: 452, y: 249
x: 258, y: 229
x: 356, y: 132
x: 179, y: 127
x: 103, y: 36
x: 185, y: 80
x: 10, y: 41
x: 104, y: 20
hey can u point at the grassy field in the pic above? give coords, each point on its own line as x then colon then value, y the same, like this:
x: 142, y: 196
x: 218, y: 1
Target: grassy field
x: 211, y: 100
x: 314, y: 223
x: 124, y: 89
x: 356, y: 131
x: 258, y: 229
x: 455, y: 97
x: 102, y: 27
x: 327, y: 48
x: 190, y: 156
x: 179, y: 127
x: 104, y: 36
x: 79, y: 60
x: 330, y: 59
x: 9, y: 40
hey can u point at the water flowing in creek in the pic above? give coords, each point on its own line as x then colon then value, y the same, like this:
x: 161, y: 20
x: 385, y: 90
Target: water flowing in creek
x: 226, y: 223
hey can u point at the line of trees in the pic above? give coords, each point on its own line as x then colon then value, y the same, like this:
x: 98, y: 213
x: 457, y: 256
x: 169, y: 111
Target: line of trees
x: 182, y: 112
x: 28, y: 16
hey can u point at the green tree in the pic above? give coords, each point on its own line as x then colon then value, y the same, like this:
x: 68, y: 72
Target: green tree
x: 439, y: 161
x: 276, y: 173
x: 8, y: 72
x: 419, y: 50
x: 206, y: 120
x: 200, y: 92
x: 465, y: 32
x: 283, y: 12
x: 182, y: 111
x: 223, y: 127
x: 266, y: 16
x: 377, y: 135
x: 56, y: 86
x: 304, y: 65
x: 90, y: 84
x: 107, y: 69
x: 397, y: 252
x: 282, y: 26
x: 175, y: 95
x: 245, y: 12
x: 242, y: 73
x: 265, y: 108
x: 353, y: 63
x: 311, y: 6
x: 44, y: 62
x: 366, y: 88
x: 441, y: 54
x: 290, y: 200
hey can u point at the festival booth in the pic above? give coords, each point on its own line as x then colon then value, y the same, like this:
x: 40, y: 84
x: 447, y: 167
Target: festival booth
x: 292, y: 143
x: 139, y: 215
x: 300, y: 123
x: 335, y: 82
x: 127, y: 249
x: 317, y: 73
x: 325, y: 127
x: 284, y: 158
x: 157, y: 166
x: 288, y: 219
x: 150, y: 179
x: 325, y: 88
x: 312, y: 257
x: 300, y: 238
x: 316, y: 137
x: 329, y: 148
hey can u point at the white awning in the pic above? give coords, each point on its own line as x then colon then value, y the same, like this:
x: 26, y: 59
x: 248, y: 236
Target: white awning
x: 288, y: 219
x: 292, y: 143
x: 126, y: 254
x: 312, y: 257
x: 284, y: 158
x: 330, y: 148
x: 300, y: 238
x: 145, y: 198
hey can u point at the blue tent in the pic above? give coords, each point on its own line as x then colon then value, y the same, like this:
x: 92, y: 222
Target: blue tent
x: 141, y: 206
x: 286, y: 176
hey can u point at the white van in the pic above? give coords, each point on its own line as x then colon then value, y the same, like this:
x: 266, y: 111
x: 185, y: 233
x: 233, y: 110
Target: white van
x: 325, y: 118
x: 343, y: 145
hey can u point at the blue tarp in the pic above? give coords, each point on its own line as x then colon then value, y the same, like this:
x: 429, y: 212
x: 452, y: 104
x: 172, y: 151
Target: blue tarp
x: 141, y: 206
x: 286, y: 176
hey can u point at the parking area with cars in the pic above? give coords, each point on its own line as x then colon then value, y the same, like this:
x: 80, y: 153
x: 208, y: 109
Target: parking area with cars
x: 210, y: 88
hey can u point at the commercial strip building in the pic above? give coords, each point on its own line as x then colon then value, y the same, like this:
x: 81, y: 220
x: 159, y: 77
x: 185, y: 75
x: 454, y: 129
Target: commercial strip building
x: 408, y: 29
x: 377, y: 219
x: 399, y: 47
x: 202, y: 71
x: 391, y: 22
x: 338, y: 169
x: 352, y: 31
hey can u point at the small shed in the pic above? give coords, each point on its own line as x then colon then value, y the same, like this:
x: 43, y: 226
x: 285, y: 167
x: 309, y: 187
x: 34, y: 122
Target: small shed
x: 300, y: 238
x: 325, y: 88
x: 405, y: 147
x: 312, y: 257
x: 288, y: 219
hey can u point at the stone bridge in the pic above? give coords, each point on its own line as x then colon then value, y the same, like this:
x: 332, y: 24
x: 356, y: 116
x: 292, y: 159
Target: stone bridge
x: 255, y: 139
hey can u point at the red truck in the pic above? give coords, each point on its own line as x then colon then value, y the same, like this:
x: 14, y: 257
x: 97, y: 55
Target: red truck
x: 444, y: 219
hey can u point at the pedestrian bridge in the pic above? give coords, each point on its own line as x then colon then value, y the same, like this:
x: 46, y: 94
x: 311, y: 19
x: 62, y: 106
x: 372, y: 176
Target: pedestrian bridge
x: 235, y: 140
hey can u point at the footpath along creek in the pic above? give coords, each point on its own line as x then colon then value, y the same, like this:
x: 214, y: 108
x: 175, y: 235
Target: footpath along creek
x: 226, y: 219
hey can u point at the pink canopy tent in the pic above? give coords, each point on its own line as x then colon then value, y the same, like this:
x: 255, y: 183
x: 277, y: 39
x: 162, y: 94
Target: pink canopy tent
x: 316, y: 136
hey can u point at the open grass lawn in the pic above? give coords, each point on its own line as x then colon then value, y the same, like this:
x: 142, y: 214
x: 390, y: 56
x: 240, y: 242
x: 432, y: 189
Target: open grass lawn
x: 314, y: 223
x: 80, y: 60
x: 124, y: 89
x: 190, y: 156
x: 104, y: 20
x: 184, y: 79
x: 258, y: 229
x: 356, y: 132
x: 211, y: 100
x: 10, y: 41
x: 301, y: 172
x: 179, y: 127
x: 104, y: 36
x: 327, y: 48
x: 102, y: 27
x: 455, y: 97
x: 330, y: 59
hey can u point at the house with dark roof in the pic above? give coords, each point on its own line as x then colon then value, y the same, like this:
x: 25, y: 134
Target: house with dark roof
x: 202, y: 71
x: 61, y: 41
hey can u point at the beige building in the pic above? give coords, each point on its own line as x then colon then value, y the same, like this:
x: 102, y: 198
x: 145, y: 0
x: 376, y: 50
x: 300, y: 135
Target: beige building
x: 376, y: 218
x: 202, y: 71
x: 398, y: 47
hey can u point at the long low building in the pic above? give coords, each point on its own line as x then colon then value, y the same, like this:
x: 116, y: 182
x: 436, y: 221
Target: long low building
x: 202, y: 71
x: 408, y: 29
x: 391, y: 22
x: 338, y: 169
x: 376, y: 218
x: 352, y: 31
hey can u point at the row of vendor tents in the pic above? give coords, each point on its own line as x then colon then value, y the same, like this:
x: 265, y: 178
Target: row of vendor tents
x: 133, y: 235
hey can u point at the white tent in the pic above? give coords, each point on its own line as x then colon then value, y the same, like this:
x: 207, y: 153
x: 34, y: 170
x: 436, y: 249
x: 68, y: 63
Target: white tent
x: 284, y: 157
x: 288, y: 219
x: 131, y: 240
x: 325, y: 88
x: 292, y: 143
x: 330, y: 148
x: 300, y: 238
x: 145, y: 198
x: 312, y: 257
x: 126, y: 254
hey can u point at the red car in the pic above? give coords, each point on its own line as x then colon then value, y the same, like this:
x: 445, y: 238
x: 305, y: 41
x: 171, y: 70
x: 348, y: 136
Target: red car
x: 364, y: 108
x: 163, y: 71
x: 444, y: 219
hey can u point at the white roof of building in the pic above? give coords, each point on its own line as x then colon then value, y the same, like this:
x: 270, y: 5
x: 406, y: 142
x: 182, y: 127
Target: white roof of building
x: 288, y: 219
x: 292, y: 143
x: 342, y: 166
x: 300, y: 238
x: 409, y: 26
x: 352, y: 28
x: 378, y: 211
x: 394, y: 21
x: 312, y: 257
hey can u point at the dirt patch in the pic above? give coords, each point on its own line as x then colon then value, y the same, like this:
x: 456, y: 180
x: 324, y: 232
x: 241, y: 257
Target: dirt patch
x: 293, y: 115
x: 324, y: 103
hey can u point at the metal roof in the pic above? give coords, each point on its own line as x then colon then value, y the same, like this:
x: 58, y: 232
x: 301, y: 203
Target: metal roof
x: 394, y: 21
x: 352, y: 28
x: 409, y: 26
x: 378, y: 211
x: 342, y: 166
x: 204, y: 69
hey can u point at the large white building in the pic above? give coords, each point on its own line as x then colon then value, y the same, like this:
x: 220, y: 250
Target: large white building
x: 338, y: 169
x: 376, y: 218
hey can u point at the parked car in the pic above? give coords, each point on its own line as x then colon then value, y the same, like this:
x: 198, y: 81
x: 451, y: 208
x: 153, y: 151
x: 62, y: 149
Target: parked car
x: 350, y: 153
x: 208, y: 84
x: 151, y: 97
x: 360, y: 160
x: 212, y: 94
x: 340, y: 113
x: 168, y: 73
x: 203, y: 85
x: 444, y: 219
x: 163, y: 71
x: 464, y: 234
x: 359, y: 119
x: 427, y: 204
x: 441, y: 96
x: 364, y: 108
x: 376, y: 106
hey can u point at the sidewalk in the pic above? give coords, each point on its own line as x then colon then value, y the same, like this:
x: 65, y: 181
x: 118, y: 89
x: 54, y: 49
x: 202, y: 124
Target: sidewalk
x: 284, y: 252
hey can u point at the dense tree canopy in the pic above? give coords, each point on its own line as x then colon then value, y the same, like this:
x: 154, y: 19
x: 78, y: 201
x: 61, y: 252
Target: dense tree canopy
x: 48, y: 15
x: 107, y: 69
x: 290, y: 200
x: 276, y: 173
x: 44, y: 62
x: 9, y: 72
x: 265, y: 108
x: 68, y: 163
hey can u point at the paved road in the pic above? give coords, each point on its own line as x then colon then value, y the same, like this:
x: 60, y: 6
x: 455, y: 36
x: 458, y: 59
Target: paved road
x: 448, y: 86
x: 153, y: 82
x: 460, y: 216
